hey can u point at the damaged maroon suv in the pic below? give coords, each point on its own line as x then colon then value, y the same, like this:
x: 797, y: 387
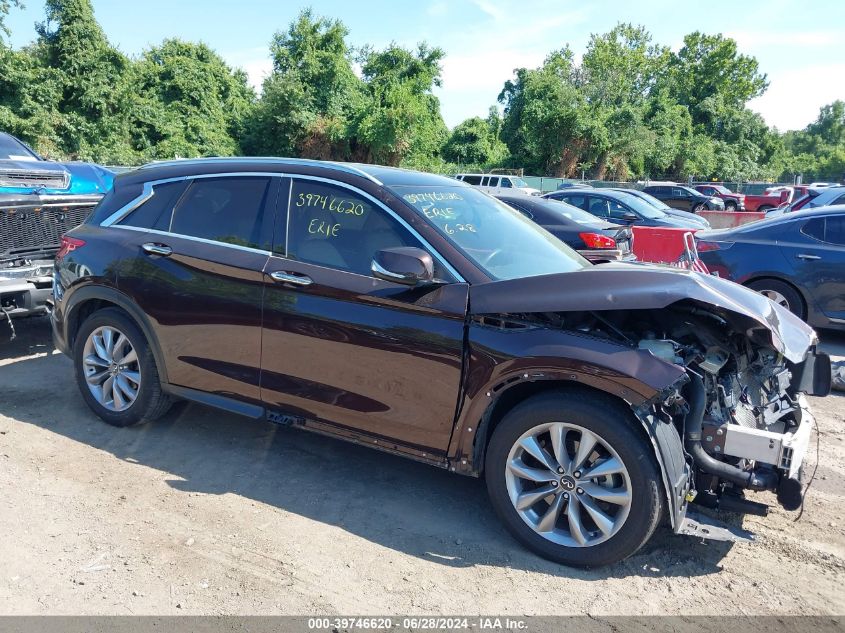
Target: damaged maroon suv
x: 421, y: 316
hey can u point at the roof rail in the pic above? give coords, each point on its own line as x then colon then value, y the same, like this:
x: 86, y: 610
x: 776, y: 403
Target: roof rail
x: 351, y: 169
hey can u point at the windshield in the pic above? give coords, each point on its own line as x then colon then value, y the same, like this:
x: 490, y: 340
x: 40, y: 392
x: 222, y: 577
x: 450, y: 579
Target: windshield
x: 641, y: 206
x: 12, y: 149
x: 722, y: 189
x: 519, y: 182
x: 499, y: 240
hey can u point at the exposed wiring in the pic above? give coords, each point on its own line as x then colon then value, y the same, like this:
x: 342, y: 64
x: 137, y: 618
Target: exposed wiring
x: 9, y: 319
x: 813, y: 476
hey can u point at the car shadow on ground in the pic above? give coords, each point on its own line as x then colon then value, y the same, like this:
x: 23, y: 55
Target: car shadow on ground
x: 432, y: 514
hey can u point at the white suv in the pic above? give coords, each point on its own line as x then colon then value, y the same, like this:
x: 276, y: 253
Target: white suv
x: 494, y: 183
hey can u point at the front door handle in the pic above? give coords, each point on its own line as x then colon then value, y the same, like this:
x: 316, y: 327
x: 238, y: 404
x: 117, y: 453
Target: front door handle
x: 292, y: 278
x: 805, y: 256
x: 157, y: 249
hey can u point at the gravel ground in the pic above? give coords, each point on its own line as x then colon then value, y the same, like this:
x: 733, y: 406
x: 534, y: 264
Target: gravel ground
x: 207, y: 513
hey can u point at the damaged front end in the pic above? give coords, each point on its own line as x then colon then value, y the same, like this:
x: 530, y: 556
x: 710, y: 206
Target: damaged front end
x: 31, y: 227
x: 735, y: 418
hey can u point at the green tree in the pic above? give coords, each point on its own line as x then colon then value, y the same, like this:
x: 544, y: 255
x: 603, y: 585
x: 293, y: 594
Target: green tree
x: 710, y: 67
x: 547, y: 124
x: 189, y: 102
x: 310, y: 100
x: 476, y: 142
x: 401, y: 117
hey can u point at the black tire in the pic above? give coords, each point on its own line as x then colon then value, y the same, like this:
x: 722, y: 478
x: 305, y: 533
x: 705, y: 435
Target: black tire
x: 604, y: 416
x: 151, y: 402
x: 699, y: 207
x: 794, y: 300
x: 765, y: 207
x: 730, y: 206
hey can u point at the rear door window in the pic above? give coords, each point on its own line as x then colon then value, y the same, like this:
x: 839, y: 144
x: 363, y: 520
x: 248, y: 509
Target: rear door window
x: 599, y: 207
x: 576, y: 200
x: 229, y: 210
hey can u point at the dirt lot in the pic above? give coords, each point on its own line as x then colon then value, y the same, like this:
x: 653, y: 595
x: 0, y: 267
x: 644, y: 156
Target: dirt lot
x: 205, y: 512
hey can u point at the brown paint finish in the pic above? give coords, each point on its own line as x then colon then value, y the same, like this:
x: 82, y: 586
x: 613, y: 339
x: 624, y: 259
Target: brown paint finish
x: 204, y: 302
x: 500, y: 359
x: 365, y: 355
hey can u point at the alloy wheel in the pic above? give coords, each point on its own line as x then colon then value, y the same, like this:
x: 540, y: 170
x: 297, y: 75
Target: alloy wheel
x: 568, y: 484
x: 777, y: 297
x: 111, y: 368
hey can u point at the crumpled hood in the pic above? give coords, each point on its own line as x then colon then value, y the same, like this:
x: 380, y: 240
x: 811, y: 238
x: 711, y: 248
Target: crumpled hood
x: 637, y: 286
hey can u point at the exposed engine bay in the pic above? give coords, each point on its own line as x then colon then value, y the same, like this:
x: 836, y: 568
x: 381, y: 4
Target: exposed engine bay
x: 739, y: 411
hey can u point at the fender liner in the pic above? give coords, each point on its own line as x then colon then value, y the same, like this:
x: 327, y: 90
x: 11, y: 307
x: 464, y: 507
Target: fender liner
x: 124, y: 302
x: 675, y: 469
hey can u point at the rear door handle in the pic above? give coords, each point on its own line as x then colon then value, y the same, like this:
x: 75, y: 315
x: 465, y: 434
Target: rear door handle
x: 157, y: 249
x: 805, y: 256
x: 291, y: 278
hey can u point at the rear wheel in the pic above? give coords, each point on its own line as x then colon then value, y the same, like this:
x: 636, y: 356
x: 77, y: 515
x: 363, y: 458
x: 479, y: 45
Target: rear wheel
x: 699, y: 207
x: 115, y: 370
x: 573, y: 480
x: 781, y: 293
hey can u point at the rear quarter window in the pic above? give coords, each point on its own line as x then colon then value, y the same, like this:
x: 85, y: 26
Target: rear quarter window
x: 155, y: 212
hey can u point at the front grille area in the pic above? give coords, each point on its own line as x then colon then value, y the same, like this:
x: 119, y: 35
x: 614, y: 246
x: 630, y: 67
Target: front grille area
x: 28, y: 228
x: 21, y: 178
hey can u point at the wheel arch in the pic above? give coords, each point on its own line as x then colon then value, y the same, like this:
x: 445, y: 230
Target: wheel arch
x: 769, y: 276
x: 666, y: 444
x: 90, y: 299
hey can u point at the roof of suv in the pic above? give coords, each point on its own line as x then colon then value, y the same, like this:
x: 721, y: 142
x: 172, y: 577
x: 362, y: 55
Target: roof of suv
x: 378, y: 174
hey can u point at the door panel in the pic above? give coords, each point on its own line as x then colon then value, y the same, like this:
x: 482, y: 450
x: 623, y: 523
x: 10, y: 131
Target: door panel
x: 818, y: 260
x: 364, y: 354
x: 204, y: 299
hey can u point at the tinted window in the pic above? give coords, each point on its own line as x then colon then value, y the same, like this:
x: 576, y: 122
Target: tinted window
x: 814, y: 228
x: 506, y: 183
x: 472, y: 180
x: 228, y: 210
x: 617, y: 211
x: 839, y: 200
x: 155, y: 212
x: 679, y: 193
x: 576, y: 200
x: 494, y: 182
x: 834, y: 231
x: 598, y: 207
x: 830, y: 230
x: 335, y: 227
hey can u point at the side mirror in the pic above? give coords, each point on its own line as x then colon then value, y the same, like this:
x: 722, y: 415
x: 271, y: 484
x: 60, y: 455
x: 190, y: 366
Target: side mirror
x: 629, y: 217
x: 406, y: 265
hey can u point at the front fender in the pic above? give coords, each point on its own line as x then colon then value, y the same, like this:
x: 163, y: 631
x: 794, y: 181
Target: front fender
x: 499, y: 359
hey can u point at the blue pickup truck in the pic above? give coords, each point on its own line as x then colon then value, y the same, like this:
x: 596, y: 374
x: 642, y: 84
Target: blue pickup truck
x: 40, y: 200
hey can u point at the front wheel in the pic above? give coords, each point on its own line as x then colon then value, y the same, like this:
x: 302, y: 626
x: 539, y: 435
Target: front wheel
x: 115, y: 370
x: 573, y: 479
x: 730, y: 206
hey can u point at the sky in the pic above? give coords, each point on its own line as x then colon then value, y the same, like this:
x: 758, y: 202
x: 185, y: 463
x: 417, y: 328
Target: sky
x: 799, y: 45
